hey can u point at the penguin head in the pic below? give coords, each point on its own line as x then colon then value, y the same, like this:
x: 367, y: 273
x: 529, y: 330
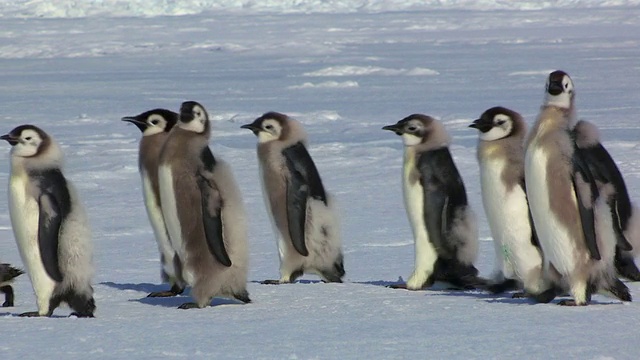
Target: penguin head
x: 153, y: 121
x: 419, y: 129
x: 271, y: 126
x: 193, y: 117
x: 27, y: 141
x: 559, y: 90
x: 496, y: 123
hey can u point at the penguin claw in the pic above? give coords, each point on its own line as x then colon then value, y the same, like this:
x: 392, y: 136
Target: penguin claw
x: 30, y: 314
x: 189, y: 305
x: 271, y: 282
x: 570, y: 303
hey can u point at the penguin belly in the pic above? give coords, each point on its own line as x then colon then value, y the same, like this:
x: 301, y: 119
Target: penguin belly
x: 25, y: 213
x: 555, y: 240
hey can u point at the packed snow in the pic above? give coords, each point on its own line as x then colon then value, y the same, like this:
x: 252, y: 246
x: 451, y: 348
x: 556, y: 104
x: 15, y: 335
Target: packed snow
x: 344, y: 69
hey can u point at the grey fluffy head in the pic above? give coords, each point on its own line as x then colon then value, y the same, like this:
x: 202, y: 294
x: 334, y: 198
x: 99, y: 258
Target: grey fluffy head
x: 33, y: 148
x: 421, y: 131
x: 153, y: 121
x: 586, y: 134
x: 499, y: 123
x: 276, y: 127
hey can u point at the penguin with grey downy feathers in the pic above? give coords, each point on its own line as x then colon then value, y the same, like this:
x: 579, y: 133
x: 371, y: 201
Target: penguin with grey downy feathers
x: 49, y: 224
x: 501, y: 158
x: 626, y: 216
x: 7, y: 274
x: 155, y: 126
x: 203, y: 211
x: 301, y: 211
x: 444, y: 226
x: 571, y: 215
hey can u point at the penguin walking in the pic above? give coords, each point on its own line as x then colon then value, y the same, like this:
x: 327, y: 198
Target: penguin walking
x: 203, y: 211
x: 572, y: 218
x: 626, y: 221
x: 49, y: 224
x: 501, y: 157
x: 155, y: 126
x: 7, y: 274
x: 444, y: 226
x: 301, y: 211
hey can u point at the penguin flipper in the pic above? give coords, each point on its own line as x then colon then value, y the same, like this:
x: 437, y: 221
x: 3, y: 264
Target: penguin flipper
x: 534, y: 235
x: 50, y: 219
x: 212, y: 221
x: 604, y: 169
x: 304, y: 182
x: 587, y: 216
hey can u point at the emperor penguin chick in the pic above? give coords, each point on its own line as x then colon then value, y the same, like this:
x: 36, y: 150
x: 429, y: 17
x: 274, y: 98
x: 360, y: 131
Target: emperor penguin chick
x: 155, y: 126
x: 301, y: 210
x: 49, y: 224
x: 203, y: 211
x: 7, y: 274
x: 444, y: 226
x: 501, y: 158
x: 572, y: 221
x: 626, y: 216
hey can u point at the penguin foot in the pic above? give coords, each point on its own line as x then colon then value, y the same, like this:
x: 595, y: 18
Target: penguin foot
x: 177, y: 289
x: 546, y: 296
x: 626, y: 267
x: 189, y: 305
x: 520, y: 295
x: 243, y: 296
x: 167, y: 293
x: 398, y: 286
x: 504, y: 286
x: 272, y: 282
x: 79, y: 315
x: 30, y: 314
x: 619, y: 290
x: 8, y: 295
x: 570, y: 303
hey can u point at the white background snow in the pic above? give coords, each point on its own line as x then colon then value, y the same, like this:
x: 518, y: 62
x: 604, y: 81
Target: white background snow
x: 344, y: 69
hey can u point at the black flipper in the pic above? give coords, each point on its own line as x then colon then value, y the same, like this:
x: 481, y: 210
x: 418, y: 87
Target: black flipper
x: 625, y: 265
x: 604, y: 169
x: 587, y: 217
x: 54, y: 205
x: 212, y: 222
x: 534, y: 235
x: 304, y: 182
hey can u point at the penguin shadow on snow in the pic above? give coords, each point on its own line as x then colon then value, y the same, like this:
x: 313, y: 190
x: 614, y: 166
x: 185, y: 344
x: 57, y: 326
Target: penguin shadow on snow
x: 176, y: 301
x: 300, y: 281
x: 142, y: 287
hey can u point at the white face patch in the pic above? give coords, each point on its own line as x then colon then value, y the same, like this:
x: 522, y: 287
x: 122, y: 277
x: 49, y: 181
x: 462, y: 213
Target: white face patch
x: 410, y: 139
x: 155, y: 124
x: 199, y: 122
x: 565, y: 98
x: 28, y: 144
x: 502, y: 125
x: 270, y: 131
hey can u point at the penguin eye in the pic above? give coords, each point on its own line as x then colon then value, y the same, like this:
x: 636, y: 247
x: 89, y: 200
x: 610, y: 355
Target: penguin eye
x: 154, y: 122
x: 269, y: 127
x: 28, y: 138
x: 412, y: 128
x: 500, y: 122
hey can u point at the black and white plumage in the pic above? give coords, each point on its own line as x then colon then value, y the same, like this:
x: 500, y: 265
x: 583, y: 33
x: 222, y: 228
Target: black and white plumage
x: 443, y: 224
x: 501, y: 157
x: 203, y: 211
x: 49, y: 224
x: 155, y: 126
x: 571, y: 214
x: 302, y: 212
x: 626, y: 221
x: 7, y: 274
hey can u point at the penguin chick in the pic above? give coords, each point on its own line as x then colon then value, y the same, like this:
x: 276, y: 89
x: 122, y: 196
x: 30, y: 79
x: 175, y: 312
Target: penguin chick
x: 444, y: 226
x: 301, y: 211
x: 605, y: 171
x: 155, y: 126
x: 49, y: 224
x: 7, y: 274
x: 572, y: 221
x: 501, y: 157
x: 203, y: 211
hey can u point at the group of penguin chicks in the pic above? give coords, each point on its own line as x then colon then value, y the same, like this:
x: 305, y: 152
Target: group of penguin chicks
x: 569, y: 227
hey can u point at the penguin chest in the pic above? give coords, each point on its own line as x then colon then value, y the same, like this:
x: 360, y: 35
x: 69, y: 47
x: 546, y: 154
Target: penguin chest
x: 169, y: 207
x: 413, y: 192
x: 274, y: 189
x: 156, y: 218
x: 554, y: 237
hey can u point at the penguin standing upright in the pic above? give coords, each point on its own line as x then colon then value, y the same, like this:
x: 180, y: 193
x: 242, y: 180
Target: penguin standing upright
x: 444, y: 226
x: 571, y: 215
x: 203, y: 211
x: 155, y: 126
x: 49, y: 224
x: 7, y: 274
x: 501, y: 158
x: 301, y: 210
x: 626, y: 216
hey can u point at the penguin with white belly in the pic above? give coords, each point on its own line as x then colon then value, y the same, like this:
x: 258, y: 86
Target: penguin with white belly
x: 49, y: 224
x: 444, y: 226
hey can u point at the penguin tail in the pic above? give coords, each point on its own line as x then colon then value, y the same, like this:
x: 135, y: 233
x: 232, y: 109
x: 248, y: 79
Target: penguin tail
x: 8, y: 273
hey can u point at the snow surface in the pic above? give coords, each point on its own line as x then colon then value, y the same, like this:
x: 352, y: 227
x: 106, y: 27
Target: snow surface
x: 344, y: 69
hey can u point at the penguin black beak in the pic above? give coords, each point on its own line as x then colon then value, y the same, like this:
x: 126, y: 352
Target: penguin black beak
x: 254, y: 128
x: 395, y: 128
x: 139, y: 123
x: 10, y: 139
x: 555, y: 88
x: 481, y: 125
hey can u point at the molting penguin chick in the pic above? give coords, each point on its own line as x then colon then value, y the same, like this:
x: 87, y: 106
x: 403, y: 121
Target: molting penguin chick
x: 49, y: 224
x: 301, y: 210
x: 572, y: 221
x: 203, y: 211
x: 626, y: 221
x: 155, y: 126
x: 444, y: 226
x: 7, y: 274
x: 501, y: 158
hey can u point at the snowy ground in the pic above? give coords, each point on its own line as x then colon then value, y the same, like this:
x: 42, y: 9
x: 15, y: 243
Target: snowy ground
x: 344, y: 71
